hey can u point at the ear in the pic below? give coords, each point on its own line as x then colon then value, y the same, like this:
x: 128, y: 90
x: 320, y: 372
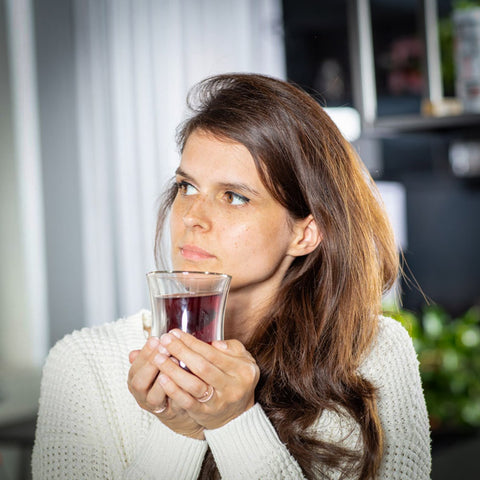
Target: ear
x: 306, y: 237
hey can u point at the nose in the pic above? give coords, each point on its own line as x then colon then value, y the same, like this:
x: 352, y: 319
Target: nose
x: 196, y: 215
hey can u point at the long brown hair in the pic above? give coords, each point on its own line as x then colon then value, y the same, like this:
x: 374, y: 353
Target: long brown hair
x: 310, y: 344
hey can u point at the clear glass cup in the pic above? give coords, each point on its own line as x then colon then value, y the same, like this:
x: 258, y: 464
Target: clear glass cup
x: 191, y: 301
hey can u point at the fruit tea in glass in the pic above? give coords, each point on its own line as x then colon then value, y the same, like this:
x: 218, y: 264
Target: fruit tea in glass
x: 191, y: 301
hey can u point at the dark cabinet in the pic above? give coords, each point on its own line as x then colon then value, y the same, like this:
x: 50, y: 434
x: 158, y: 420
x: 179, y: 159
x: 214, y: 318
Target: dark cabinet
x: 380, y: 57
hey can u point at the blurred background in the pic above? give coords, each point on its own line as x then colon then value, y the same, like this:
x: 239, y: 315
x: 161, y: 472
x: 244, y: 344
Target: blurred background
x: 90, y: 94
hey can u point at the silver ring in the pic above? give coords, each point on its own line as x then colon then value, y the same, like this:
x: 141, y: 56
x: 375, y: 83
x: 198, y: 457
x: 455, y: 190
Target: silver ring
x: 207, y: 395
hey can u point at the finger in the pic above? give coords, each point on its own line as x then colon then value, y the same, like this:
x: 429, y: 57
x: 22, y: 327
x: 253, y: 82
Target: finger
x: 195, y: 359
x: 143, y: 354
x: 133, y: 355
x: 232, y: 347
x: 179, y: 397
x: 156, y: 397
x: 185, y: 380
x: 143, y: 370
x: 146, y: 354
x: 224, y: 355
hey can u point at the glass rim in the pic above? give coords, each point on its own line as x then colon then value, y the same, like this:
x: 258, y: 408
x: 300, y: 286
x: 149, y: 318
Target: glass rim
x: 187, y: 273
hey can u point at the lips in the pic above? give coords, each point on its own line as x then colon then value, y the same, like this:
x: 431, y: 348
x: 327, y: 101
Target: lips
x: 191, y: 252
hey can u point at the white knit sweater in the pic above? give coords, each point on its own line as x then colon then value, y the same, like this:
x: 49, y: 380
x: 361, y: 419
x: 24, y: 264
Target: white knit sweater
x: 89, y: 425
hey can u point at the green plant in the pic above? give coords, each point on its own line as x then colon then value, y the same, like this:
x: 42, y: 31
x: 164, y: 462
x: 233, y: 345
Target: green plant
x: 449, y: 353
x: 464, y: 4
x: 446, y: 39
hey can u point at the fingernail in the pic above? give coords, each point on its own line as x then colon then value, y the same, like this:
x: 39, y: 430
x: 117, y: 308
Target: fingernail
x: 153, y: 342
x: 176, y: 333
x: 159, y: 359
x: 165, y: 339
x: 220, y: 344
x: 163, y: 350
x: 162, y: 378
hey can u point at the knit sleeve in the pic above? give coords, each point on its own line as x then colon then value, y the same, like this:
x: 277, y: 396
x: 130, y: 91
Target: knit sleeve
x: 249, y: 447
x: 166, y: 455
x: 393, y: 368
x: 66, y: 441
x: 85, y: 430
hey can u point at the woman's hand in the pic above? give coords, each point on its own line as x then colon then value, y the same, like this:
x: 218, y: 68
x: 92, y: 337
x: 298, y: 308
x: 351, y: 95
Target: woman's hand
x: 144, y: 383
x: 225, y: 365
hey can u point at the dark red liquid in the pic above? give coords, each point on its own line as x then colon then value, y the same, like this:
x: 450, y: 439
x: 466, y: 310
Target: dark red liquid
x: 195, y: 314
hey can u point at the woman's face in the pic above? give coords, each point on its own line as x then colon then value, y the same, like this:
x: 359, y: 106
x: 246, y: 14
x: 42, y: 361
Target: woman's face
x: 224, y: 219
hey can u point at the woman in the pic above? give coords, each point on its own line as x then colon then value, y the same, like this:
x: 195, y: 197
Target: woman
x: 311, y: 381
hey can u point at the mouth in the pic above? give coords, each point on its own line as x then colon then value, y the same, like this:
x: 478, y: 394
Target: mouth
x: 191, y: 252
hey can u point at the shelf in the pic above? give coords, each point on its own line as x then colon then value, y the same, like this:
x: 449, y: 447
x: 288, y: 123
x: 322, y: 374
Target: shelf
x: 417, y: 123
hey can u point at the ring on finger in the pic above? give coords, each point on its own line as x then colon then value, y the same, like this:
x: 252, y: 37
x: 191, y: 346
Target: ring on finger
x: 207, y: 395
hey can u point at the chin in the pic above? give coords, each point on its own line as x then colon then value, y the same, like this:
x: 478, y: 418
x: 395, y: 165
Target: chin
x: 189, y: 267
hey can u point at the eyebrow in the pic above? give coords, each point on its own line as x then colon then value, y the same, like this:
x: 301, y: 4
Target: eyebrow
x: 235, y: 186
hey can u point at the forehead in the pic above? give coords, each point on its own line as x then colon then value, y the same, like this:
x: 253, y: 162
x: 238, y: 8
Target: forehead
x: 203, y: 152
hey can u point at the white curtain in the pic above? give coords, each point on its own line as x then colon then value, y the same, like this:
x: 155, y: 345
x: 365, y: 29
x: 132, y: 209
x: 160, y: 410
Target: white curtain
x: 135, y: 63
x: 23, y: 280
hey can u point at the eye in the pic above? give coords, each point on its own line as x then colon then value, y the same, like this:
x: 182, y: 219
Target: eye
x: 186, y: 188
x: 236, y: 199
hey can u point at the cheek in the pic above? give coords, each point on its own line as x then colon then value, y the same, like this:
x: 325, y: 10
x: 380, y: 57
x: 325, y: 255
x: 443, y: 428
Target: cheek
x: 234, y: 235
x: 253, y: 240
x: 175, y: 221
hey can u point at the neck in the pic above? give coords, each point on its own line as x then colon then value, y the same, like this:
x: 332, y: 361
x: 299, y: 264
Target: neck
x: 243, y: 313
x: 247, y: 305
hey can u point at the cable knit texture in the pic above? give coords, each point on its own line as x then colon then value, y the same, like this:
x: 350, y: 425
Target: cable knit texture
x: 89, y: 425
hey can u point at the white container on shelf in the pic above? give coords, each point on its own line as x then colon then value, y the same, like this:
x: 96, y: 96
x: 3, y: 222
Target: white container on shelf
x: 467, y: 57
